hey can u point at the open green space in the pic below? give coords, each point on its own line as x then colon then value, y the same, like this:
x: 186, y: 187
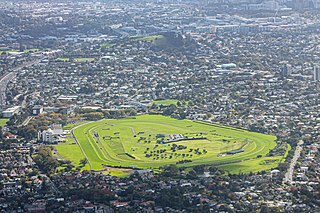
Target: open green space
x: 31, y: 50
x: 73, y: 125
x: 167, y: 102
x: 151, y: 38
x: 63, y: 59
x: 3, y: 121
x: 107, y: 45
x: 8, y: 51
x: 154, y: 141
x: 69, y: 150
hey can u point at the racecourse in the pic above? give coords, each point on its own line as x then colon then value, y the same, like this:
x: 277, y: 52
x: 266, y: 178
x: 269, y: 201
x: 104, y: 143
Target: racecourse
x: 153, y: 141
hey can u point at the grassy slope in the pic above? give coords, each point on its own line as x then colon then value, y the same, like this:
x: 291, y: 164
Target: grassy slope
x: 112, y: 152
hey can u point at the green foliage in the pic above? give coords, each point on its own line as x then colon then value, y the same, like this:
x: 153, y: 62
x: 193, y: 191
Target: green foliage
x: 170, y: 109
x: 171, y: 171
x: 41, y: 122
x: 93, y: 116
x: 45, y: 161
x: 28, y: 132
x: 84, y: 161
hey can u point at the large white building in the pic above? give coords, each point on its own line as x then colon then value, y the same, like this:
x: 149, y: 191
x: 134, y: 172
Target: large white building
x: 52, y: 135
x: 8, y: 113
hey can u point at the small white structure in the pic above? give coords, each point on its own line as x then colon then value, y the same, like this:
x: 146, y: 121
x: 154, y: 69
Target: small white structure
x: 36, y: 110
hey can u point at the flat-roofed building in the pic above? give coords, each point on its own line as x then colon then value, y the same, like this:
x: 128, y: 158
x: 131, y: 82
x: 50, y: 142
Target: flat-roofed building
x: 8, y: 113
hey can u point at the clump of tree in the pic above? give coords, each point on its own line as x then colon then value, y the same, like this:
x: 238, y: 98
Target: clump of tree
x: 84, y: 161
x: 41, y: 122
x: 183, y: 161
x: 45, y: 161
x: 87, y: 89
x: 171, y: 171
x: 93, y: 116
x: 170, y: 110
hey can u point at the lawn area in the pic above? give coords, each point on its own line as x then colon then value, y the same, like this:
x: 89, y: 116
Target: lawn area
x: 71, y: 151
x: 252, y: 165
x: 70, y: 126
x: 12, y: 50
x: 153, y: 141
x: 151, y: 38
x: 118, y: 172
x: 63, y: 59
x: 107, y: 45
x: 31, y: 50
x: 166, y: 102
x: 3, y: 121
x: 8, y: 51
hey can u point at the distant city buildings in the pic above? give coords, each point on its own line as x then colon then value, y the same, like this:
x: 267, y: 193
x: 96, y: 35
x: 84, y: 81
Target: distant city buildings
x: 286, y: 70
x: 316, y: 73
x: 306, y: 4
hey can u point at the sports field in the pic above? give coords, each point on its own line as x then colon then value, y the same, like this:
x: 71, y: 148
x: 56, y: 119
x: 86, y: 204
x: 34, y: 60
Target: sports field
x: 153, y: 141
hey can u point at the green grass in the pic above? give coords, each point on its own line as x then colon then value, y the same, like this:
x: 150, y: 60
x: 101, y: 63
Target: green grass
x: 107, y: 45
x: 117, y: 172
x: 125, y: 150
x: 252, y: 165
x: 152, y: 38
x: 71, y: 151
x: 12, y: 50
x: 8, y: 51
x: 257, y: 164
x: 63, y: 59
x: 287, y: 152
x: 166, y: 102
x: 70, y: 126
x: 3, y: 121
x: 31, y: 50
